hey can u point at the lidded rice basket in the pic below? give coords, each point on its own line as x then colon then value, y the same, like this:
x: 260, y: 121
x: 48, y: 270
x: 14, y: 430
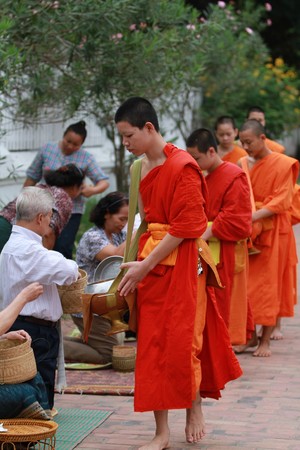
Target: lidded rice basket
x: 70, y: 296
x: 17, y: 361
x: 123, y: 358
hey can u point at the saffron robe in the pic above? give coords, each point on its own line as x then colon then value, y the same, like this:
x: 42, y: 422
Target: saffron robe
x: 234, y: 155
x: 274, y: 146
x: 239, y: 281
x: 171, y: 299
x: 229, y: 208
x: 271, y: 283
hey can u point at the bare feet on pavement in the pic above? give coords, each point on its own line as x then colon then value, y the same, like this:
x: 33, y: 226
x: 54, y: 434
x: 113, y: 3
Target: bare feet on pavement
x: 195, y: 425
x: 276, y: 334
x: 263, y: 349
x: 159, y: 442
x: 242, y: 348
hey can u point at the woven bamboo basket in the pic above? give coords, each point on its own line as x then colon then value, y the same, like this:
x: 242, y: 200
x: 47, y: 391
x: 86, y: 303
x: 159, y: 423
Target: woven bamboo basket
x: 123, y: 358
x: 17, y: 361
x: 39, y: 433
x: 70, y: 296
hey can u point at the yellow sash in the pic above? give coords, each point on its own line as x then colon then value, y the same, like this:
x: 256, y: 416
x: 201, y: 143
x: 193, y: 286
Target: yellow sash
x: 158, y: 232
x: 214, y: 246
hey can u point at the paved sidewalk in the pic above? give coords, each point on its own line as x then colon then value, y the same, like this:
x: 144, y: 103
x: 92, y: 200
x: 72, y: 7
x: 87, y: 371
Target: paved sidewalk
x: 259, y: 411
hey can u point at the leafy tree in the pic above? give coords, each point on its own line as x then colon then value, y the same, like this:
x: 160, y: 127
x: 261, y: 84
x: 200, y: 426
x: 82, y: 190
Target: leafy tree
x: 90, y: 56
x: 282, y: 33
x: 240, y: 73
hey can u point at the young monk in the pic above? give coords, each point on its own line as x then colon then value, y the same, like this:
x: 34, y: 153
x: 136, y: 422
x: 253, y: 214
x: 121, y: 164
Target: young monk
x: 171, y: 284
x: 226, y: 133
x: 272, y: 177
x: 257, y: 113
x: 230, y: 224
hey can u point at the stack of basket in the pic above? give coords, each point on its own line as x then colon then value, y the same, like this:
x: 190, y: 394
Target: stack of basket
x: 123, y: 358
x: 71, y: 295
x: 17, y: 361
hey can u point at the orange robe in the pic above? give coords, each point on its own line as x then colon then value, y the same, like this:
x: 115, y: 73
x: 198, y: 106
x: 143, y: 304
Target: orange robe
x: 236, y: 153
x: 229, y: 209
x: 171, y: 299
x: 238, y: 280
x: 295, y: 207
x: 272, y: 179
x: 274, y: 146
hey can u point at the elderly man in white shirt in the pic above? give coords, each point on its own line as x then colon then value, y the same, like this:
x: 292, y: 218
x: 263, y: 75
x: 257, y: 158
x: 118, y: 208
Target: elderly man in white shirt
x: 24, y: 260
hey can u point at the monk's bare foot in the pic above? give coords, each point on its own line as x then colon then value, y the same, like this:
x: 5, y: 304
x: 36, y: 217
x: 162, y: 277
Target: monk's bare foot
x: 242, y: 348
x: 159, y: 442
x: 276, y: 334
x: 195, y: 425
x: 263, y: 350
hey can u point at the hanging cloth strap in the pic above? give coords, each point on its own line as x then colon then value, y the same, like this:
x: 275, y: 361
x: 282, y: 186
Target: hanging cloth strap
x: 131, y: 248
x: 111, y: 297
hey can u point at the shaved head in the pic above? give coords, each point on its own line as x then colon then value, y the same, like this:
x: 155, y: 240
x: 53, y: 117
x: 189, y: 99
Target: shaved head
x: 254, y: 126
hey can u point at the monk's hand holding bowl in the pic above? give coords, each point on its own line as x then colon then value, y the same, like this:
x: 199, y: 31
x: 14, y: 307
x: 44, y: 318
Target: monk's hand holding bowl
x: 135, y: 272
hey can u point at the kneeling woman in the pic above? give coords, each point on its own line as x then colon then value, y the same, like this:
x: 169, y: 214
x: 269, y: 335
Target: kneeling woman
x: 106, y: 238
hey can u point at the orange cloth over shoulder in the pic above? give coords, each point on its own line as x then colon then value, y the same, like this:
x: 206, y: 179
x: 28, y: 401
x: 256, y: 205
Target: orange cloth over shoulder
x: 235, y: 154
x: 274, y: 146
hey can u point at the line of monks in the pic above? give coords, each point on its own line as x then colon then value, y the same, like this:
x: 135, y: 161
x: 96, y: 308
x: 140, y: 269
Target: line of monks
x: 254, y: 201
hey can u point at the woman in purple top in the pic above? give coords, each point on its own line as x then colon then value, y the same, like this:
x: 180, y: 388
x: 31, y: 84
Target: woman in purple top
x: 54, y: 155
x: 65, y: 185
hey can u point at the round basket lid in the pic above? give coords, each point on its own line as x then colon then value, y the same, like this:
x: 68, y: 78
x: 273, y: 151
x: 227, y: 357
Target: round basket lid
x: 108, y: 268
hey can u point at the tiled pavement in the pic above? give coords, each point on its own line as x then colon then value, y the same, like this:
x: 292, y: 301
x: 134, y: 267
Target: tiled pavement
x: 259, y: 411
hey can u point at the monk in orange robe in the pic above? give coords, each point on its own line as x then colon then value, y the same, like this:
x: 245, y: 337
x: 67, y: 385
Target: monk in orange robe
x: 257, y: 113
x: 273, y: 178
x: 230, y: 224
x: 226, y: 133
x: 177, y: 317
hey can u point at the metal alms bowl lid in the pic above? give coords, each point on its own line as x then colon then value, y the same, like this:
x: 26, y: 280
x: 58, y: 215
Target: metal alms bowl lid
x: 108, y: 268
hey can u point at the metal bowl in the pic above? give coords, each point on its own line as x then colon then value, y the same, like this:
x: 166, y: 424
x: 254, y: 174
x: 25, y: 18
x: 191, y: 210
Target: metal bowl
x: 108, y: 268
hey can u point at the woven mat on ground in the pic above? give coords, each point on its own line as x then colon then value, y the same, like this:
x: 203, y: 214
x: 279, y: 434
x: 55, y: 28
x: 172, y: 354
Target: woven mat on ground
x: 75, y: 424
x: 100, y: 382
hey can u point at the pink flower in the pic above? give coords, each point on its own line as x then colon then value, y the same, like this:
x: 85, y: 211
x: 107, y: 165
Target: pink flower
x: 249, y: 30
x: 190, y: 26
x: 221, y: 4
x: 202, y: 20
x: 132, y: 27
x: 143, y: 25
x: 119, y: 35
x: 268, y: 6
x: 269, y: 22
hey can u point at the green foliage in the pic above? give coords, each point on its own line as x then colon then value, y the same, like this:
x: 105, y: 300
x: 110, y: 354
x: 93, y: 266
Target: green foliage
x: 91, y: 55
x: 239, y: 73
